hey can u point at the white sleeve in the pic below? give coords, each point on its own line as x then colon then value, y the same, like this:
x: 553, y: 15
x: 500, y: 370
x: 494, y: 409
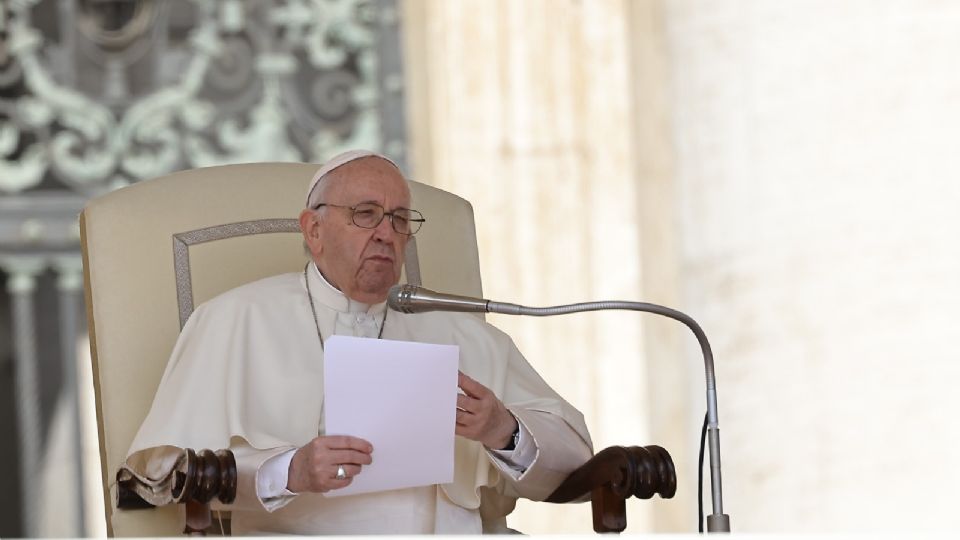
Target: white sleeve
x: 272, y: 481
x: 518, y: 460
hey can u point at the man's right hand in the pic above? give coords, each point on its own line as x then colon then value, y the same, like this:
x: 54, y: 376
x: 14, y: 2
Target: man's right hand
x: 314, y: 465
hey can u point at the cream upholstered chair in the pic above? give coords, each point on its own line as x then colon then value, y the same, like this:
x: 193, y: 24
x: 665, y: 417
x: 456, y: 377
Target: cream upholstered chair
x: 154, y: 250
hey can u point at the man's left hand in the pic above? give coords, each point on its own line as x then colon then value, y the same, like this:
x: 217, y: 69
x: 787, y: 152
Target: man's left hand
x: 481, y: 416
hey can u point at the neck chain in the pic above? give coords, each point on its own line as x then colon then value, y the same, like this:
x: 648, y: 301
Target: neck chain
x: 306, y: 279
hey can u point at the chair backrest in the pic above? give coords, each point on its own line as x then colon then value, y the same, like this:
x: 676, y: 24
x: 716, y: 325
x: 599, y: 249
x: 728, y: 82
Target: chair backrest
x: 154, y: 250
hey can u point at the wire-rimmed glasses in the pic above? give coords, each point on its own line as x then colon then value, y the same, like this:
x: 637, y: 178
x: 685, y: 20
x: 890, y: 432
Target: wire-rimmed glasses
x: 368, y: 215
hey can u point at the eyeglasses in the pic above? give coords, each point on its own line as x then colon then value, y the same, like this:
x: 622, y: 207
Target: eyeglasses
x: 369, y: 216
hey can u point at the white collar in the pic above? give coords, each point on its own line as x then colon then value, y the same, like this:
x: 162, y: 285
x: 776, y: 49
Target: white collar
x: 330, y: 296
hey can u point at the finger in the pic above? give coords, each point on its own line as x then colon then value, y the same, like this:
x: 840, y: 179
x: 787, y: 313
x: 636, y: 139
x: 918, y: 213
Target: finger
x: 347, y: 457
x: 465, y: 419
x: 466, y: 432
x: 471, y: 387
x: 352, y: 470
x: 349, y: 470
x: 338, y: 484
x: 339, y: 442
x: 469, y: 404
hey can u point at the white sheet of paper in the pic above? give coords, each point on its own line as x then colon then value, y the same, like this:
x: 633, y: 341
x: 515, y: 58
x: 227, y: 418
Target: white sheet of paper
x: 400, y: 396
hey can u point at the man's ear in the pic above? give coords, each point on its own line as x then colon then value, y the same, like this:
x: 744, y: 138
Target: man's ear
x: 310, y: 227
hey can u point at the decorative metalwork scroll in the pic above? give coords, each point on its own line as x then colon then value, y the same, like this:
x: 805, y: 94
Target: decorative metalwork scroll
x: 96, y: 94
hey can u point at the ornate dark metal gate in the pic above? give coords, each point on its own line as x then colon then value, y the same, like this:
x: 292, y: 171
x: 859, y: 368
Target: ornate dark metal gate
x: 98, y: 94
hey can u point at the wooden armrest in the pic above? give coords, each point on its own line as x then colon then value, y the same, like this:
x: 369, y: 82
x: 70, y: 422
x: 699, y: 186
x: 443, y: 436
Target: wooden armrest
x: 203, y: 476
x: 610, y: 478
x: 613, y: 476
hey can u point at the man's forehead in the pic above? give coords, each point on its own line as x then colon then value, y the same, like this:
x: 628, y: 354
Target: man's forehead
x: 368, y: 178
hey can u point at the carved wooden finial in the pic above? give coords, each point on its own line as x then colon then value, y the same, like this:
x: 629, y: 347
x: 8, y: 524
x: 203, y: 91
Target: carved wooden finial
x: 199, y: 478
x: 614, y: 475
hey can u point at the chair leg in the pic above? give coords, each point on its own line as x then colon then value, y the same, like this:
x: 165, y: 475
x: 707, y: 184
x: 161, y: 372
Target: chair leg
x: 609, y: 511
x: 198, y: 519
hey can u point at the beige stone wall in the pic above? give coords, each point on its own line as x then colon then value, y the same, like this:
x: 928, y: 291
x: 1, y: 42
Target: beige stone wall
x: 817, y: 164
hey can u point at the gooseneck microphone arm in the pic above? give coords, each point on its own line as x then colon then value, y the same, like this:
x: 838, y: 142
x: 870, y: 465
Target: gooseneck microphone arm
x: 411, y: 299
x: 718, y: 521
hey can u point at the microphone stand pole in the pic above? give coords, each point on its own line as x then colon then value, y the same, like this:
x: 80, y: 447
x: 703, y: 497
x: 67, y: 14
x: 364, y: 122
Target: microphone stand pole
x: 718, y: 521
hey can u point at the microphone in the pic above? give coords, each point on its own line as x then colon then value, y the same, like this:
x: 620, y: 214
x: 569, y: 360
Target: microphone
x: 413, y: 299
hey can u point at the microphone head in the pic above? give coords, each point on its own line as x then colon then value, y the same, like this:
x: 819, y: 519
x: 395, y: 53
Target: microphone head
x: 414, y: 299
x: 399, y: 298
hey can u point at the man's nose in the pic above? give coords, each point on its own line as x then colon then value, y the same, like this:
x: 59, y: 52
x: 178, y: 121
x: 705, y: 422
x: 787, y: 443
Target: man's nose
x: 384, y: 231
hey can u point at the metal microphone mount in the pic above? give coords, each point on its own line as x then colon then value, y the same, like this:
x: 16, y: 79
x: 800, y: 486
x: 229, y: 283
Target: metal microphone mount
x: 402, y: 300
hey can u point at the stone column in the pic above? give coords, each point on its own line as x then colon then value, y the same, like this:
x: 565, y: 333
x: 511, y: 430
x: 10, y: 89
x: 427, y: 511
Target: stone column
x: 524, y: 109
x: 70, y: 285
x: 676, y: 382
x: 21, y: 285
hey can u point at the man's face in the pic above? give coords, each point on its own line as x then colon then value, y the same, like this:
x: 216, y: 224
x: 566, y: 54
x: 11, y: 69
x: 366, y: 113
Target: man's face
x: 362, y: 263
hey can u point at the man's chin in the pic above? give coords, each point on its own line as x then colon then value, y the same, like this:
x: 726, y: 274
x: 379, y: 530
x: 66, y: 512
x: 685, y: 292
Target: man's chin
x: 377, y: 288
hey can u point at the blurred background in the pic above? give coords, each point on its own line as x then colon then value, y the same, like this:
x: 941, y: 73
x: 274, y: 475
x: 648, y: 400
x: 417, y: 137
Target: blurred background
x: 786, y: 172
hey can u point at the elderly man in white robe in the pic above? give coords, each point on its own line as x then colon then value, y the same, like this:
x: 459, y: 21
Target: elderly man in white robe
x: 264, y: 342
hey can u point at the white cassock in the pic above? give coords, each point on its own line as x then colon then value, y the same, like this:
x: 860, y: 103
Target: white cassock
x: 247, y: 373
